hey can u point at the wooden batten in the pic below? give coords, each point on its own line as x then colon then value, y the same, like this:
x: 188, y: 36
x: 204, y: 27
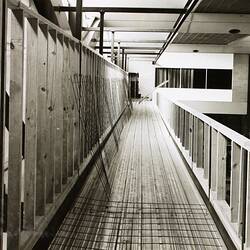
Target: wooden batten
x: 50, y: 103
x: 207, y: 150
x: 71, y: 118
x: 186, y: 136
x: 200, y: 144
x: 58, y: 115
x: 235, y: 180
x: 31, y: 126
x: 15, y: 129
x: 221, y: 167
x: 214, y: 146
x: 195, y: 140
x: 191, y: 121
x: 247, y: 234
x: 43, y: 128
x: 65, y: 106
x: 242, y: 186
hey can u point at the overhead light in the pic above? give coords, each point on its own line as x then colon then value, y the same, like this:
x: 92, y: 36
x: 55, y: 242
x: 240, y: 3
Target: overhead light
x: 195, y: 50
x: 234, y: 31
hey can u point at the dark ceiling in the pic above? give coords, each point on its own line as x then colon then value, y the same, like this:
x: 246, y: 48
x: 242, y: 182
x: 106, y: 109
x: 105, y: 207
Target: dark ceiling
x: 206, y: 38
x: 224, y: 6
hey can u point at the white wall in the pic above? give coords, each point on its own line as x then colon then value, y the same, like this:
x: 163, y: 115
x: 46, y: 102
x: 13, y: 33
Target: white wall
x: 176, y: 60
x: 196, y: 60
x: 146, y: 74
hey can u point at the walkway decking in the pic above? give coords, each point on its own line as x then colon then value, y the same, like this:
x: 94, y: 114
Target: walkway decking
x: 152, y: 204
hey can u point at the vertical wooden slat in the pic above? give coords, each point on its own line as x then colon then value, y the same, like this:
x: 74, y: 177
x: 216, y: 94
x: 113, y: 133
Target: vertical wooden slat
x: 221, y: 167
x: 247, y: 242
x: 207, y: 150
x: 242, y: 183
x: 43, y: 128
x: 15, y: 129
x: 200, y: 144
x: 31, y: 126
x: 76, y: 120
x: 50, y: 103
x: 87, y: 105
x: 58, y: 115
x: 187, y: 130
x: 65, y: 101
x: 214, y: 147
x: 195, y: 140
x: 235, y: 179
x: 191, y: 121
x: 71, y: 111
x: 83, y: 97
x: 2, y: 113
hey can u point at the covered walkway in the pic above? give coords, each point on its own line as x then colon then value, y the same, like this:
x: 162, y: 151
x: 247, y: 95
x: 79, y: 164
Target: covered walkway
x: 148, y: 200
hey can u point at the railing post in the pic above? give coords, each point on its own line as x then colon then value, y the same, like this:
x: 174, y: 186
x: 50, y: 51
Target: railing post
x: 195, y: 140
x: 214, y: 146
x: 191, y: 129
x: 15, y: 129
x: 247, y: 223
x: 58, y: 115
x: 242, y: 189
x: 221, y: 167
x: 207, y: 150
x: 187, y: 130
x: 235, y: 179
x: 3, y: 12
x: 200, y: 145
x: 51, y: 78
x: 43, y: 128
x: 31, y: 126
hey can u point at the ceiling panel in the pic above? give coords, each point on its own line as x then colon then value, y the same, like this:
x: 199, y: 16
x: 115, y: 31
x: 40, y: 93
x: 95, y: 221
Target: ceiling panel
x: 206, y: 38
x: 224, y: 6
x: 134, y: 3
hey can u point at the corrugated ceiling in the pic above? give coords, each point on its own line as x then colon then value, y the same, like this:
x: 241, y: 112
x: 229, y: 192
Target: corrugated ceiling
x: 224, y: 6
x: 206, y: 38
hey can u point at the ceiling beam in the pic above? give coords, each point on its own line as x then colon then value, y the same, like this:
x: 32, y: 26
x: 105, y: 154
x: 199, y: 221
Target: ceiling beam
x: 122, y: 10
x: 125, y: 47
x: 94, y: 40
x: 190, y: 5
x: 135, y: 53
x: 127, y: 29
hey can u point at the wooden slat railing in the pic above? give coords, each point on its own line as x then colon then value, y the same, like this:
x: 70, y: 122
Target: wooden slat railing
x: 220, y: 159
x: 59, y: 116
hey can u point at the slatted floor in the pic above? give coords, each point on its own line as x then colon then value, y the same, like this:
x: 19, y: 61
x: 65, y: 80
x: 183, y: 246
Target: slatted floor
x: 147, y: 201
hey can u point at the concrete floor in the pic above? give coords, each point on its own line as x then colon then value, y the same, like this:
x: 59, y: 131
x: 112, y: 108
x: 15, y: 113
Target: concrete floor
x: 148, y: 200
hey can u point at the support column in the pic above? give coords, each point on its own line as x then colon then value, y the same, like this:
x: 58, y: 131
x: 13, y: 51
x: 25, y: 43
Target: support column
x: 112, y: 47
x: 240, y: 77
x: 118, y: 53
x: 78, y: 34
x: 123, y: 58
x: 101, y: 32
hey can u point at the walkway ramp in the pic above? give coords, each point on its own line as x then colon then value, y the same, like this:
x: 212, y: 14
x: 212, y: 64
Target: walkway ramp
x: 146, y: 201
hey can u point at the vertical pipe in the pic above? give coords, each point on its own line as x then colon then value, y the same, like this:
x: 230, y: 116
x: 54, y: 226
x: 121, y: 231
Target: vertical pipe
x: 118, y: 53
x: 112, y: 46
x: 101, y: 32
x: 78, y: 29
x: 123, y: 58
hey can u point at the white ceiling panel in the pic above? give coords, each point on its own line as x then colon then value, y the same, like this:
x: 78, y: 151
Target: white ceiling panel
x: 134, y: 3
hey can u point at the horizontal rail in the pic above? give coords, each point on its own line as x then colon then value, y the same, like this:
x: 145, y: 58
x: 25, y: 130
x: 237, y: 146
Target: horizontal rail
x: 226, y: 131
x: 121, y: 10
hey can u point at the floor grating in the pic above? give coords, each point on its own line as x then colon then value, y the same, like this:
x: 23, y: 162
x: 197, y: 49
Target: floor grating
x: 101, y: 224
